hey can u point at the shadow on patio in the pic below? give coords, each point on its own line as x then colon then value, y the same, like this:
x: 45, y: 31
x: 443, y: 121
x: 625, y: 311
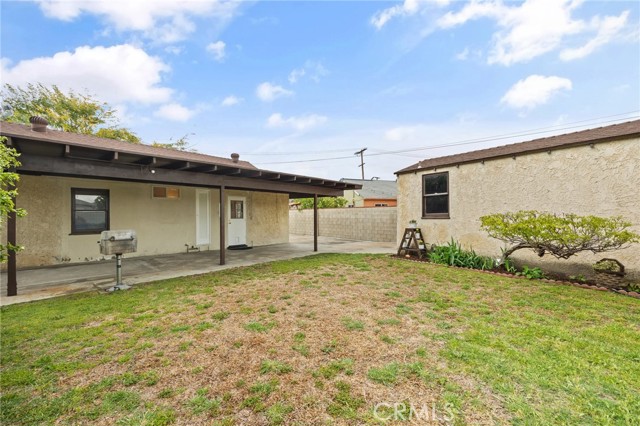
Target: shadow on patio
x: 44, y: 283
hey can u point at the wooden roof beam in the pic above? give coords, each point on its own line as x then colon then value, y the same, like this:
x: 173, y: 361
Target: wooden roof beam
x: 183, y: 165
x: 208, y: 169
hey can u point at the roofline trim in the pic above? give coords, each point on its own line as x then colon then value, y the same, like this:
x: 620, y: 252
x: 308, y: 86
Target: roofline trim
x: 450, y: 159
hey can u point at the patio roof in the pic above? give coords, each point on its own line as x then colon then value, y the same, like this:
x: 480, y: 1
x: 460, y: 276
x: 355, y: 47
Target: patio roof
x: 58, y: 153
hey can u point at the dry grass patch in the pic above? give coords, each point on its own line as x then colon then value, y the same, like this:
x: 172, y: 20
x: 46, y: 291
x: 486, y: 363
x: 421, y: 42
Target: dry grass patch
x: 319, y: 340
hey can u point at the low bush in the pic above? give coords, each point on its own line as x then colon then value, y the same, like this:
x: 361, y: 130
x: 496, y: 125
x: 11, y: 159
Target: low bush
x: 531, y: 273
x: 452, y: 254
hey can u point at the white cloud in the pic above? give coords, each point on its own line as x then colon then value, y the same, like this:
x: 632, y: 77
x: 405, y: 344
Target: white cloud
x: 534, y: 28
x: 116, y: 74
x: 311, y: 69
x: 534, y: 90
x: 165, y: 21
x: 231, y: 100
x: 408, y: 8
x: 174, y: 50
x: 217, y: 49
x: 462, y: 56
x: 174, y: 112
x: 607, y: 28
x: 268, y: 92
x: 301, y: 123
x: 295, y: 75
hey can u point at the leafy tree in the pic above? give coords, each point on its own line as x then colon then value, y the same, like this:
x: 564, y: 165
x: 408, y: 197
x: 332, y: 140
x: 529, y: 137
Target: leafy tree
x: 323, y: 203
x: 181, y: 144
x: 8, y: 180
x: 562, y: 236
x: 118, y: 134
x: 70, y: 112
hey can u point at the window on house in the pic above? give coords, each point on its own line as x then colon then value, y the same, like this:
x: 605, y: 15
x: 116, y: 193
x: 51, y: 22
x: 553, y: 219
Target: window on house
x: 89, y: 210
x: 165, y: 192
x: 381, y: 205
x: 435, y: 196
x: 237, y: 209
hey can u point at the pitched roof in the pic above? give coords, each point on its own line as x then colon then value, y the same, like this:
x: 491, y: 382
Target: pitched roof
x: 90, y: 141
x: 584, y: 137
x: 382, y: 189
x: 41, y: 152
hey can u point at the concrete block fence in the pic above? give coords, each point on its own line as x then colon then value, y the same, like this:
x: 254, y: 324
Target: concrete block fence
x: 361, y: 224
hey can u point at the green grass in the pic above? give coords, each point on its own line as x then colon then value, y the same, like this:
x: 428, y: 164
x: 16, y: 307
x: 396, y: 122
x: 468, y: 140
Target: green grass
x: 259, y: 327
x: 332, y: 369
x: 353, y: 325
x: 201, y: 404
x: 353, y: 329
x: 345, y: 405
x: 392, y: 373
x: 277, y: 367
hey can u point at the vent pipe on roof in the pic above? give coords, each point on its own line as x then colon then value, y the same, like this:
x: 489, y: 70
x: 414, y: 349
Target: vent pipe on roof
x: 235, y: 157
x: 38, y: 124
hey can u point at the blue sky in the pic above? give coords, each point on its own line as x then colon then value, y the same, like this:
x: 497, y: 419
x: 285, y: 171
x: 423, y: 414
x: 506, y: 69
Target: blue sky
x: 285, y: 82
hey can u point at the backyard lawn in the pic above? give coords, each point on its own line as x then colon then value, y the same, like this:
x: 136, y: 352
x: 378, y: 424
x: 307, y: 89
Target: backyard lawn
x: 327, y: 339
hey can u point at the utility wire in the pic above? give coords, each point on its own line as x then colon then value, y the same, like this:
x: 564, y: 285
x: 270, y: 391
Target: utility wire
x: 467, y: 141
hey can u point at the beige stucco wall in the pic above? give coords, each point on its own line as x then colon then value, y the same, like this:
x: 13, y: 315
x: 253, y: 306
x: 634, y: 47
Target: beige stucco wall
x: 602, y: 180
x: 163, y: 226
x: 267, y: 218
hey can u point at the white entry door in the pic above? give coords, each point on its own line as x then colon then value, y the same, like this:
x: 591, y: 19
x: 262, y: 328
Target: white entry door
x: 203, y: 218
x: 237, y: 221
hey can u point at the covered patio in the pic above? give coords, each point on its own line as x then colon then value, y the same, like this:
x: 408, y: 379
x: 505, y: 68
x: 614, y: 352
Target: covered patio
x: 47, y: 282
x: 48, y: 154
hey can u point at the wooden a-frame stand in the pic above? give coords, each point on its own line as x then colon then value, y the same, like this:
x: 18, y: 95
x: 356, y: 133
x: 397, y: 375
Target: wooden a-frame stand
x: 412, y: 244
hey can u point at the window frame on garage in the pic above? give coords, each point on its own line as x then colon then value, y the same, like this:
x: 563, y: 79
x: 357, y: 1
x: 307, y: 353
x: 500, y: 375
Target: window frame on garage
x: 431, y: 195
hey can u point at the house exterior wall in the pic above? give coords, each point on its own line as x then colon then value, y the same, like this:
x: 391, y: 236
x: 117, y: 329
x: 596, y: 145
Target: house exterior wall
x: 365, y: 224
x: 353, y: 199
x: 602, y: 180
x: 371, y: 202
x: 163, y: 226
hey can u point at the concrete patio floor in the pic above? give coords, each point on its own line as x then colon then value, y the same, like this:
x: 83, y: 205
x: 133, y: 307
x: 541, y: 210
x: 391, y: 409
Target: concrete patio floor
x: 44, y: 283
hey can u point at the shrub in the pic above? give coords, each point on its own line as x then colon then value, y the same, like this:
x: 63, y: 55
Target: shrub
x: 323, y: 203
x: 452, y: 254
x: 531, y: 273
x: 561, y: 235
x: 608, y: 265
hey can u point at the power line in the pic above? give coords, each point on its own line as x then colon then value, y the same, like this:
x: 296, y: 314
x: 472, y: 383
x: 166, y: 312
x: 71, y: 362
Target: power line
x: 300, y: 152
x: 460, y: 143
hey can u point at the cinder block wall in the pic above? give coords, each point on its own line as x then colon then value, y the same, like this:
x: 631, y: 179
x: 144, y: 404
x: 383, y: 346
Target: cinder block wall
x: 362, y: 224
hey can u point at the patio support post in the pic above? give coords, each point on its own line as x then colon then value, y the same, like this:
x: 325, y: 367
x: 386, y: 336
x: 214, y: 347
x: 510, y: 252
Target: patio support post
x: 12, y: 275
x: 315, y: 222
x: 222, y: 226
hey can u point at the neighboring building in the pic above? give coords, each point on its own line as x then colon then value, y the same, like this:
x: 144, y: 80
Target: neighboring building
x: 591, y: 172
x: 374, y: 193
x: 75, y: 186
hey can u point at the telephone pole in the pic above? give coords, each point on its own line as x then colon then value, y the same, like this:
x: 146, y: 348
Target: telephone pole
x: 361, y: 154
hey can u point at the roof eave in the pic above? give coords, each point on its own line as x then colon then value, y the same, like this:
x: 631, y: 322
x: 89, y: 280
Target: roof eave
x: 450, y: 161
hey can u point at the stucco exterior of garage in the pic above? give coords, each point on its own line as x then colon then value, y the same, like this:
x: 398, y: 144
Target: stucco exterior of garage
x: 592, y: 172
